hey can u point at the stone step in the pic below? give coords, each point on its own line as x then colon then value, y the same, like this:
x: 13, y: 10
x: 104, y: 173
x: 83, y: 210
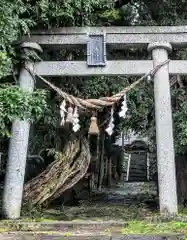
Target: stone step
x: 67, y: 226
x: 57, y: 236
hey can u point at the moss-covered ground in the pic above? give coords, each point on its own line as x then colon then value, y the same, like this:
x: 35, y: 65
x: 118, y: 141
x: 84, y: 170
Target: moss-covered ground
x: 139, y: 218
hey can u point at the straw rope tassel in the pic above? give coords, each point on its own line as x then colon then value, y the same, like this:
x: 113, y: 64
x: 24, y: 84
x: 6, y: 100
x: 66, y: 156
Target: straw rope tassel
x: 124, y: 107
x: 62, y: 112
x: 110, y: 127
x: 93, y: 130
x: 76, y: 125
x: 70, y: 115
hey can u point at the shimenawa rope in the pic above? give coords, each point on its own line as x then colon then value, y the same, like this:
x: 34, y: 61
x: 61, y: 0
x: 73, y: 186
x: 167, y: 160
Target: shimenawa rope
x: 96, y: 103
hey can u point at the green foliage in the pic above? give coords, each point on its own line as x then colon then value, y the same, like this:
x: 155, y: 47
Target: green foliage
x: 103, y: 86
x: 162, y: 12
x: 18, y: 104
x: 143, y: 227
x: 140, y: 105
x: 55, y: 13
x: 180, y: 120
x: 13, y: 24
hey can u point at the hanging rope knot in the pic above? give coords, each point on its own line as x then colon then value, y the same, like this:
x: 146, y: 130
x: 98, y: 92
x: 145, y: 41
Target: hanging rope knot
x: 152, y: 73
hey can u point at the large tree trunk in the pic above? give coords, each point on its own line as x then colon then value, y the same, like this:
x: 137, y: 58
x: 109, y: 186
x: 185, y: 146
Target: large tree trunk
x: 68, y: 168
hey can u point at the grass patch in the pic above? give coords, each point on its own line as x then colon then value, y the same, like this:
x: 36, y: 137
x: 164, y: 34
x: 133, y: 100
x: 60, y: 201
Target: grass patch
x: 67, y: 234
x: 2, y: 230
x: 143, y: 227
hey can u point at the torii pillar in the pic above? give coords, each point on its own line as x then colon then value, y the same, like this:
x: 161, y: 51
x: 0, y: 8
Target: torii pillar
x: 164, y: 130
x: 17, y: 154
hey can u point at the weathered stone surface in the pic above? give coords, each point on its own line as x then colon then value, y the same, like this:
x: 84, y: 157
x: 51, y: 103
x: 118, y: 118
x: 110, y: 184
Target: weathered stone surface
x: 118, y: 36
x: 113, y: 68
x: 52, y: 236
x: 164, y: 130
x: 56, y: 236
x: 70, y: 226
x: 141, y: 237
x: 17, y: 154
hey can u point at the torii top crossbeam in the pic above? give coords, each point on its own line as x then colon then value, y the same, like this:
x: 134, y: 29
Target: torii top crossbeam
x: 117, y: 36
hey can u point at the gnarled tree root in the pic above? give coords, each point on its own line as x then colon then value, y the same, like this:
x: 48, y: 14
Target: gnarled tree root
x: 64, y: 172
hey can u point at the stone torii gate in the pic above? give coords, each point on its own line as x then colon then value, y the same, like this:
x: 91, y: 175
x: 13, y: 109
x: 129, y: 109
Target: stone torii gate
x: 159, y: 41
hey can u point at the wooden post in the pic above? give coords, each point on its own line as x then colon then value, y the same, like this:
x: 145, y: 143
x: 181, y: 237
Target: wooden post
x: 128, y: 167
x: 101, y: 165
x: 148, y: 165
x: 109, y: 171
x: 123, y: 153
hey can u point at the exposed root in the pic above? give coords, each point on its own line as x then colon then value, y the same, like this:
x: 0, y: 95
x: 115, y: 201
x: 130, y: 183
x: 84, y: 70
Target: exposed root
x: 64, y: 172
